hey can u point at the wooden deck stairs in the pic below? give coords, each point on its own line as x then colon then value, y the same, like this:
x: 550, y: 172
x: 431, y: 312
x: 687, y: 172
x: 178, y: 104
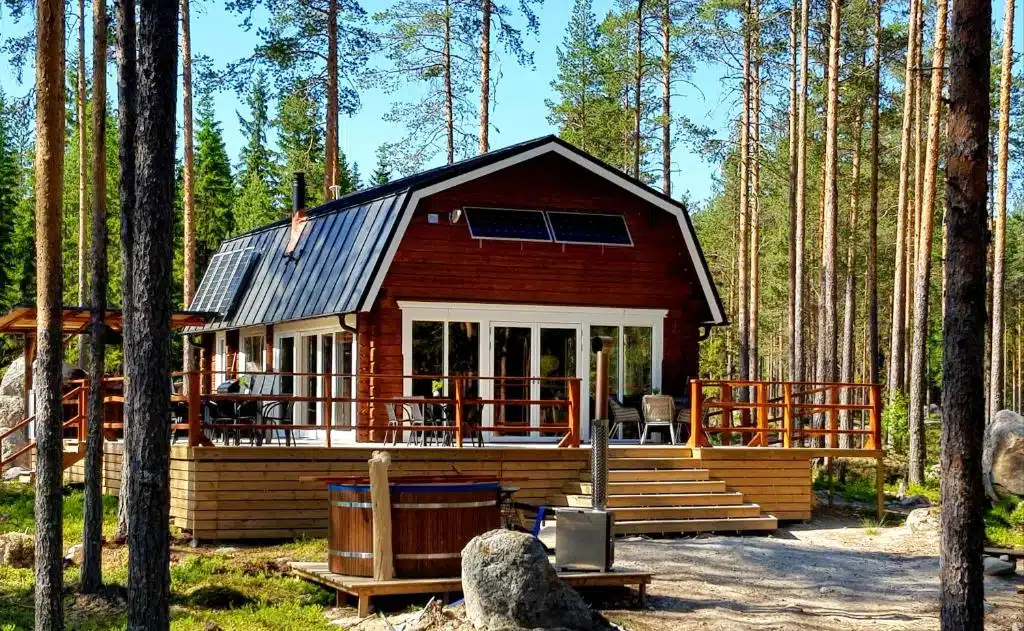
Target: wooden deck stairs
x: 667, y: 490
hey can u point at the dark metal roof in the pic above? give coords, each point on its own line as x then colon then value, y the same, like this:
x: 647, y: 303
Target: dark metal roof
x: 345, y: 244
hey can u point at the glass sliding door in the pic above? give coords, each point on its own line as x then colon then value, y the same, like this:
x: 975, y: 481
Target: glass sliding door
x: 427, y: 357
x: 310, y: 380
x: 558, y: 348
x: 512, y: 368
x: 343, y: 383
x: 464, y: 360
x: 638, y: 378
x: 611, y: 333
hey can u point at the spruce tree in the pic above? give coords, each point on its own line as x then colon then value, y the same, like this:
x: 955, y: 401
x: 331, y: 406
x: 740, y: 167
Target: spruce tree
x: 214, y: 190
x: 301, y: 145
x: 254, y: 204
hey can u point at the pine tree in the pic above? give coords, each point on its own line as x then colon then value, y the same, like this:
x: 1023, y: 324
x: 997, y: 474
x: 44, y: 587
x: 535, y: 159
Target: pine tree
x: 254, y: 204
x: 300, y: 143
x: 214, y: 191
x: 382, y: 172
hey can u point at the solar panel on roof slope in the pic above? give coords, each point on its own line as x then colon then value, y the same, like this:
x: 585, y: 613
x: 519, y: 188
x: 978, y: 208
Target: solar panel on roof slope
x: 223, y: 282
x: 593, y: 228
x: 503, y: 223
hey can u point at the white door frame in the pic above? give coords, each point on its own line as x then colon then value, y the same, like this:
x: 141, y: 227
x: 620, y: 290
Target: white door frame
x: 538, y: 316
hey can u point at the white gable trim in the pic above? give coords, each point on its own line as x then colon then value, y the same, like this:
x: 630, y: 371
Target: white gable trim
x: 717, y: 317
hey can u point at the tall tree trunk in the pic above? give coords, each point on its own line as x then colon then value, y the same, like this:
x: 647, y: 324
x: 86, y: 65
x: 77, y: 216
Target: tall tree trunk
x: 49, y: 172
x: 743, y: 267
x: 124, y: 14
x: 914, y: 221
x: 827, y: 326
x: 791, y: 297
x: 637, y: 85
x: 83, y: 189
x: 446, y: 56
x: 755, y: 192
x: 919, y: 346
x: 147, y: 339
x: 331, y: 152
x: 188, y: 361
x: 1006, y: 76
x: 897, y: 347
x: 485, y: 75
x: 874, y: 360
x: 797, y: 336
x: 849, y: 299
x: 666, y: 98
x: 962, y: 590
x: 92, y: 550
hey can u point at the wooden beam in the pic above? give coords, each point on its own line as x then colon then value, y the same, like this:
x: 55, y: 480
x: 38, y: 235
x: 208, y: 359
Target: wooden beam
x: 380, y: 498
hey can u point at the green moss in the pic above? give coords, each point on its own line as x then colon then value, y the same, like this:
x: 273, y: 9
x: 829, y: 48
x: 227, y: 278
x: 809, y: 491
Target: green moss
x: 1004, y: 524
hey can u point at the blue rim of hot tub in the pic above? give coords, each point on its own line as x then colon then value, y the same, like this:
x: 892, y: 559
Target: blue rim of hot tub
x: 421, y: 488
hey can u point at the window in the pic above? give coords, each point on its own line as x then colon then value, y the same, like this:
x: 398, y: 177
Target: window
x: 286, y: 364
x: 637, y: 353
x: 592, y: 228
x: 501, y: 223
x: 427, y: 356
x: 344, y: 381
x: 612, y: 348
x: 252, y: 348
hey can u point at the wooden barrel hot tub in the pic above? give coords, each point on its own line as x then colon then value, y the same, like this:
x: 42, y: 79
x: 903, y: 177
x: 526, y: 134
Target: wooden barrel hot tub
x: 431, y: 521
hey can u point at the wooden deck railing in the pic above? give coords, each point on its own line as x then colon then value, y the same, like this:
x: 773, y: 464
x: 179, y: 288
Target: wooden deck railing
x: 196, y: 398
x: 785, y: 413
x: 76, y: 396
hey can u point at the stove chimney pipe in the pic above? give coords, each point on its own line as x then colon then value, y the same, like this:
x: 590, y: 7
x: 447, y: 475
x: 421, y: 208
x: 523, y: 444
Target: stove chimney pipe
x: 298, y: 191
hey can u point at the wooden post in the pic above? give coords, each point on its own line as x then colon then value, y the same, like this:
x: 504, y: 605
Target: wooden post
x: 380, y: 499
x: 787, y: 415
x: 833, y: 417
x: 195, y: 431
x: 696, y: 414
x: 328, y: 405
x: 875, y: 416
x: 761, y: 397
x: 459, y: 420
x: 880, y: 488
x: 726, y: 413
x: 574, y: 413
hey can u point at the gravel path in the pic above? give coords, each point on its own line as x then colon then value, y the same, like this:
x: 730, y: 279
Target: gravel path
x: 827, y: 574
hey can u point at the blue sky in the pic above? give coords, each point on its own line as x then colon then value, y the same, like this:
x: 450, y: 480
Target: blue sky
x: 519, y: 111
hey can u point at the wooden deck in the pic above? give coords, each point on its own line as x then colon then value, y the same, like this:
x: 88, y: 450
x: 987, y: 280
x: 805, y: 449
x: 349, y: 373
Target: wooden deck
x: 364, y: 588
x: 227, y: 493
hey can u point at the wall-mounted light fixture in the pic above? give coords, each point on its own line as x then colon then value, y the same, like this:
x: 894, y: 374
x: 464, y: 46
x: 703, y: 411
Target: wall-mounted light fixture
x: 455, y: 215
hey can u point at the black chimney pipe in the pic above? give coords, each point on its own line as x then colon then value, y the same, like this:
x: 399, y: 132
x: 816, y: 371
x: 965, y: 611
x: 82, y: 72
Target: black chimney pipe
x: 298, y: 191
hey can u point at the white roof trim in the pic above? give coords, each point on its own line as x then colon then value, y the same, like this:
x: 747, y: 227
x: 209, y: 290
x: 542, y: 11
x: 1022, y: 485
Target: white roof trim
x: 717, y: 317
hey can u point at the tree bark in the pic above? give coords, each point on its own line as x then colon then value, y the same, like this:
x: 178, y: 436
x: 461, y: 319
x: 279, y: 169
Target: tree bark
x: 827, y: 326
x: 49, y: 179
x: 850, y: 297
x: 919, y: 347
x: 446, y: 56
x: 897, y: 349
x: 666, y: 98
x: 188, y: 360
x: 801, y: 202
x: 147, y: 339
x: 996, y: 370
x: 874, y: 360
x: 331, y: 152
x: 743, y: 267
x: 638, y: 83
x: 791, y: 298
x: 83, y: 189
x: 92, y: 547
x: 962, y: 591
x: 755, y: 192
x: 485, y: 75
x: 124, y: 13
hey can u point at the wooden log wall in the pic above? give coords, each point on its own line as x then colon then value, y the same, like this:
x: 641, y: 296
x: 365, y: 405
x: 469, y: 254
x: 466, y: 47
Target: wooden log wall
x: 258, y: 492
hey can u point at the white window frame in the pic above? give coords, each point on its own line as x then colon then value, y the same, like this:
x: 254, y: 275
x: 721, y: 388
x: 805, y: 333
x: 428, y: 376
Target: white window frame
x: 534, y: 316
x: 220, y: 358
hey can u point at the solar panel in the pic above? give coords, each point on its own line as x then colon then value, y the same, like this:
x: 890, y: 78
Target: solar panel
x: 223, y: 281
x: 592, y: 228
x: 503, y: 223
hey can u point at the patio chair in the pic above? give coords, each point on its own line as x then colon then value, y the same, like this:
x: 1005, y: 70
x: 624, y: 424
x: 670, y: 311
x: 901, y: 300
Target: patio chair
x: 396, y: 425
x: 659, y: 412
x: 622, y: 415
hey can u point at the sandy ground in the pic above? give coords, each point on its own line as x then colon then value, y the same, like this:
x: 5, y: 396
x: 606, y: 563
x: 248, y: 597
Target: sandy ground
x: 827, y: 574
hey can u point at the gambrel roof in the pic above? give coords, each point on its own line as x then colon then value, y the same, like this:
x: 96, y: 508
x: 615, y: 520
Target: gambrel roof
x: 348, y: 244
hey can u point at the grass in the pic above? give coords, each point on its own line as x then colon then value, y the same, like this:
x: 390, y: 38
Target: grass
x: 872, y: 527
x: 237, y: 589
x: 1004, y: 525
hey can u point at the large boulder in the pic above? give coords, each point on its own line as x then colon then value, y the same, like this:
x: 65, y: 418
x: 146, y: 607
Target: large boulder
x: 13, y: 382
x: 924, y: 522
x: 12, y: 412
x: 509, y: 585
x: 1002, y: 461
x: 17, y: 550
